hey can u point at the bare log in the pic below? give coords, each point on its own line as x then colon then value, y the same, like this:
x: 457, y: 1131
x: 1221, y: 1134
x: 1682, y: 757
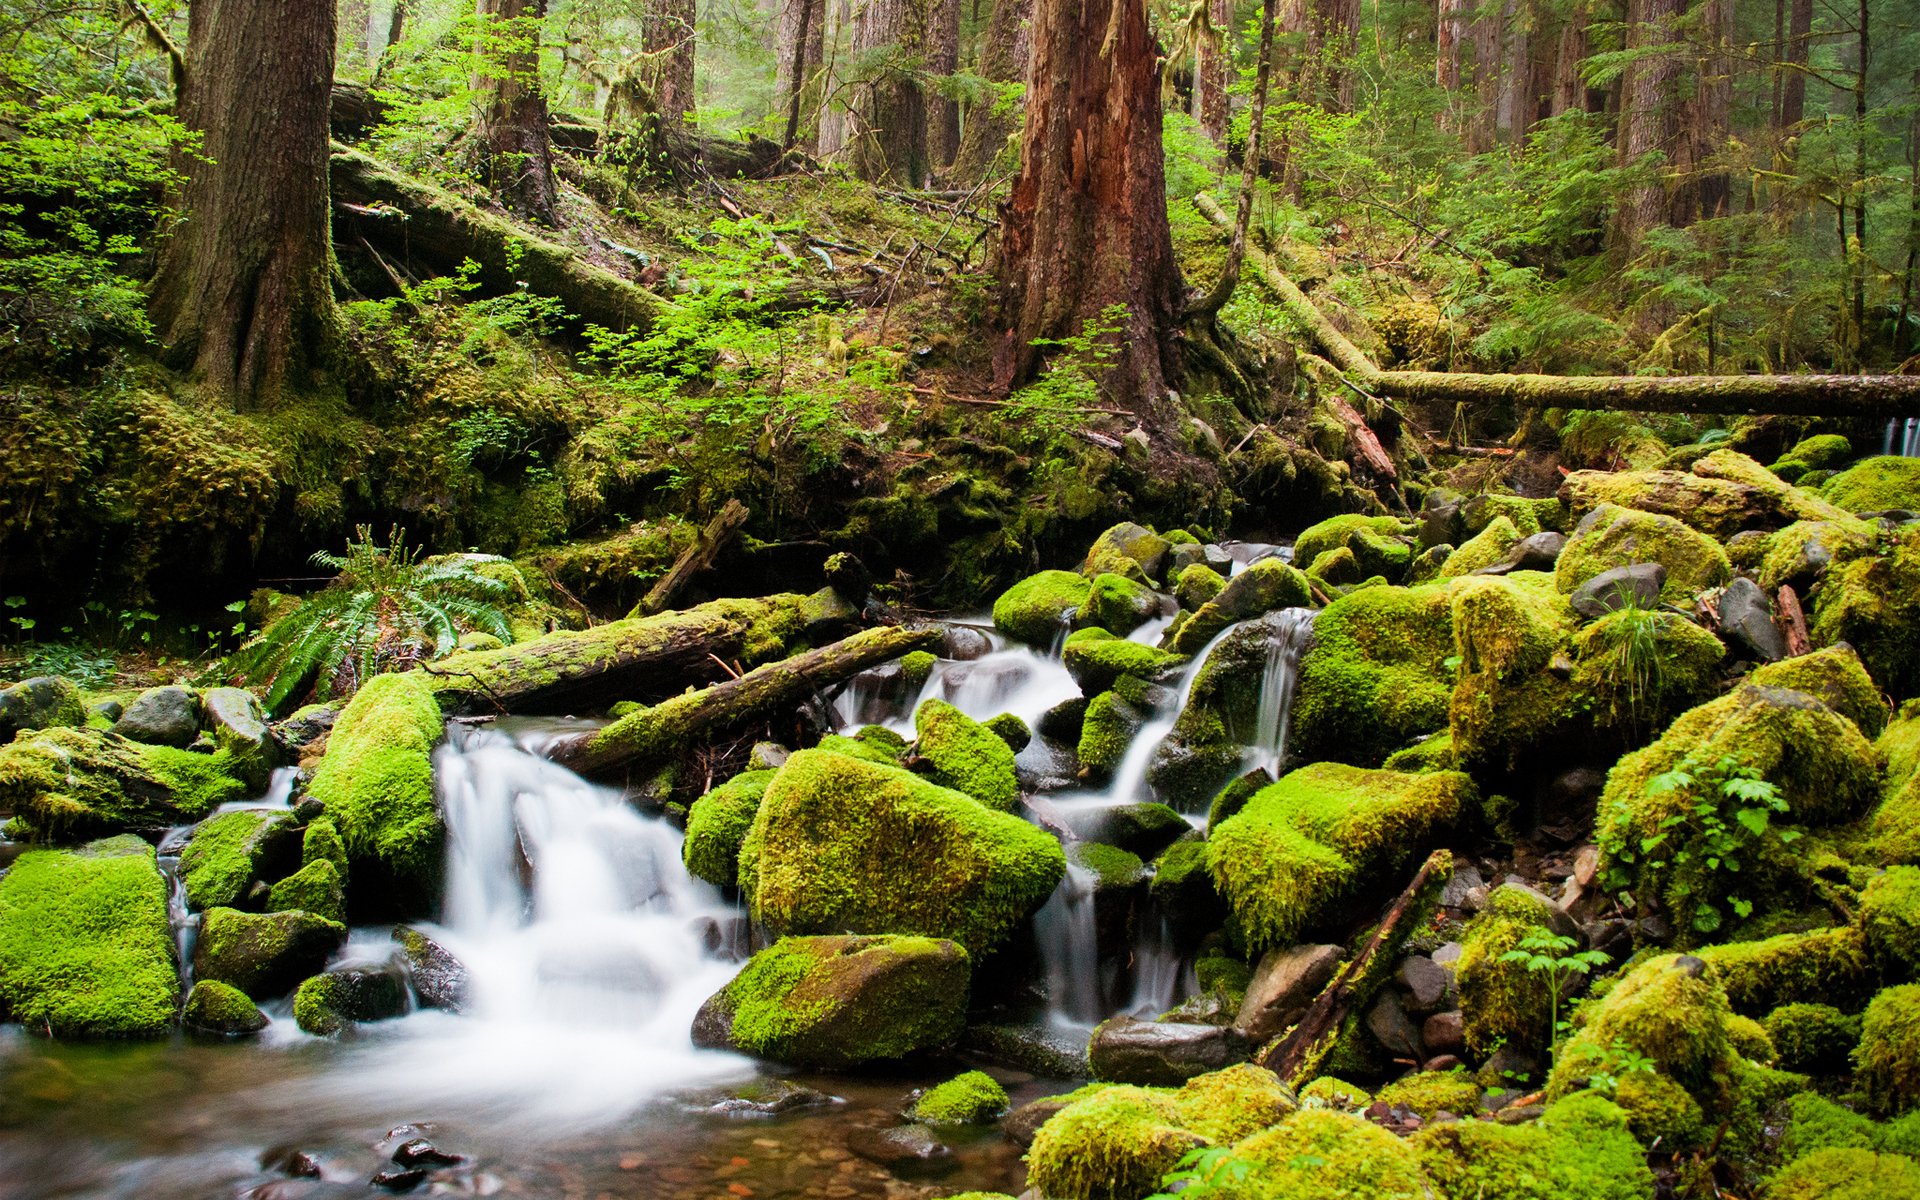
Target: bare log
x: 1786, y: 395
x: 695, y: 558
x: 655, y: 735
x: 1294, y: 1056
x: 645, y: 658
x: 415, y: 220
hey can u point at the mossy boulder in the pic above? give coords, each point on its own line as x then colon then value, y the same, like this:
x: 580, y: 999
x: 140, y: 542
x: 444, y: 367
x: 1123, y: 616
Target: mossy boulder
x: 1196, y: 585
x: 1838, y: 678
x: 1887, y: 1062
x: 1483, y: 549
x: 230, y: 852
x: 1581, y: 1148
x: 1376, y: 677
x: 1502, y: 1002
x: 330, y: 1002
x: 1637, y: 668
x: 1882, y: 484
x: 1830, y: 965
x: 1873, y: 604
x: 1311, y: 841
x: 1183, y: 889
x: 1207, y: 744
x: 1817, y: 1039
x: 1509, y: 700
x: 1801, y: 554
x: 161, y: 716
x: 845, y: 845
x: 377, y: 783
x: 1845, y: 1174
x: 1335, y: 570
x: 973, y: 1098
x: 1096, y: 660
x: 1329, y: 1092
x: 1380, y: 545
x: 1320, y: 1154
x: 1611, y: 536
x: 1890, y: 917
x: 1118, y: 604
x: 1106, y: 731
x: 1038, y: 608
x: 1426, y: 1093
x: 1822, y: 451
x: 1669, y: 1009
x: 264, y: 955
x: 85, y: 947
x: 1895, y: 827
x: 839, y: 1002
x: 717, y: 824
x: 1264, y: 587
x: 70, y: 783
x: 1723, y: 493
x: 1016, y: 733
x: 1659, y: 1110
x: 43, y: 702
x: 1127, y: 549
x: 959, y: 752
x: 315, y: 888
x: 322, y: 841
x: 238, y: 727
x: 219, y: 1008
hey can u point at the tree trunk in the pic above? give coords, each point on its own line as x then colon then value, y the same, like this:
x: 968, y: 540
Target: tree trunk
x: 943, y: 58
x: 1484, y: 38
x: 1216, y: 299
x: 1086, y: 226
x: 1793, y: 79
x: 1707, y: 124
x: 356, y: 17
x: 887, y: 118
x: 668, y: 31
x: 833, y: 117
x: 716, y: 537
x: 1003, y: 59
x: 513, y: 128
x: 1446, y: 52
x: 800, y: 43
x: 243, y: 295
x: 1215, y: 75
x: 1514, y: 116
x: 1568, y: 91
x: 1649, y: 115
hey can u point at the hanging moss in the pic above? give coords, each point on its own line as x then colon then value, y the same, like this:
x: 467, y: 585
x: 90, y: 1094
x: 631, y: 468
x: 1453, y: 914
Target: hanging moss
x: 1887, y: 1061
x: 1503, y: 1002
x: 1877, y: 485
x: 377, y: 777
x: 1618, y: 537
x: 1376, y: 677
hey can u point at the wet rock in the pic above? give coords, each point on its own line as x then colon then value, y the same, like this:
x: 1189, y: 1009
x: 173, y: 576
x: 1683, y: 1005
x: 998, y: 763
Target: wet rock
x: 309, y: 810
x: 264, y: 955
x: 1128, y: 1050
x: 1022, y: 1123
x: 1142, y: 828
x: 221, y: 1009
x: 330, y: 1002
x: 419, y: 1152
x: 291, y: 1161
x: 43, y: 702
x: 1390, y: 1025
x: 1062, y: 722
x: 307, y: 726
x: 1284, y: 984
x: 1565, y: 808
x: 1040, y: 1049
x: 231, y: 852
x: 1427, y: 984
x: 964, y: 643
x: 770, y: 1097
x: 848, y: 576
x: 399, y: 1179
x: 1207, y: 1008
x: 438, y: 978
x: 904, y: 1149
x: 1746, y: 619
x: 1444, y: 1033
x: 1638, y: 584
x: 1520, y: 1115
x: 162, y: 716
x: 1441, y: 522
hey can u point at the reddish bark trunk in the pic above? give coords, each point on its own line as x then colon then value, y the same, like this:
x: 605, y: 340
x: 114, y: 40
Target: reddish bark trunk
x: 1649, y: 114
x: 1215, y: 75
x: 1793, y: 80
x: 513, y: 128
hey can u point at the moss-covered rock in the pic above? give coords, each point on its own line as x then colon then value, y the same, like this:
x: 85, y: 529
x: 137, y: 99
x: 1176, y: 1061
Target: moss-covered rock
x: 1310, y: 841
x: 1430, y: 1092
x: 1803, y: 552
x: 43, y: 702
x: 1335, y: 570
x: 1637, y: 668
x: 916, y: 667
x: 1612, y: 537
x: 839, y: 1002
x: 717, y: 824
x: 85, y: 947
x: 238, y: 727
x: 1659, y: 1110
x: 1822, y: 451
x: 962, y: 754
x: 973, y: 1098
x: 1105, y: 733
x: 1379, y: 545
x: 315, y: 888
x: 1096, y: 660
x: 1829, y: 965
x: 1221, y: 718
x: 1845, y: 1174
x: 1877, y: 485
x: 1838, y: 678
x: 1890, y: 917
x: 1183, y: 889
x: 264, y: 955
x: 840, y: 844
x: 219, y: 1008
x: 1887, y: 1061
x: 1895, y: 827
x: 230, y: 852
x: 1118, y: 604
x: 1196, y: 585
x: 1503, y: 1002
x: 1264, y: 587
x: 1376, y: 677
x: 1328, y: 1092
x: 1582, y: 1148
x: 1508, y: 701
x: 1127, y: 549
x: 1483, y: 549
x: 1718, y: 507
x: 330, y: 1002
x: 1038, y: 608
x: 1873, y: 604
x: 322, y: 841
x: 1669, y: 1009
x: 1320, y: 1154
x: 1817, y: 1039
x: 70, y: 783
x: 377, y: 780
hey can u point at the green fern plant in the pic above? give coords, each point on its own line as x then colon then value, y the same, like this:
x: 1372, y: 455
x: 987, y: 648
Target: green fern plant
x: 384, y: 611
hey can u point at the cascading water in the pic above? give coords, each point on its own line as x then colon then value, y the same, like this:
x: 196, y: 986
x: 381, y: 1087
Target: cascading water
x: 1293, y: 634
x: 1903, y: 437
x: 1069, y: 950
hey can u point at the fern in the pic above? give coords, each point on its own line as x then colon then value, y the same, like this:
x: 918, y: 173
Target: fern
x: 384, y: 611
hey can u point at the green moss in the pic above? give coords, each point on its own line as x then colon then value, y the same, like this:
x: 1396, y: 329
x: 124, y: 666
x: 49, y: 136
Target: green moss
x: 316, y: 1007
x: 1838, y: 678
x: 85, y: 946
x: 916, y: 666
x: 1112, y: 1145
x: 264, y: 955
x: 1114, y: 866
x: 322, y: 841
x: 1097, y: 659
x: 1817, y: 1123
x: 1483, y: 549
x: 1873, y: 604
x: 1482, y: 511
x: 1660, y: 1110
x: 228, y: 852
x: 1819, y: 452
x: 1379, y: 545
x: 1838, y: 1174
x: 1877, y: 485
x: 1319, y: 1154
x: 1890, y: 915
x: 1429, y: 1092
x: 1618, y: 537
x: 1817, y: 1039
x: 1328, y: 1092
x: 974, y: 1098
x: 1037, y: 608
x: 965, y: 755
x: 1308, y: 842
x: 865, y: 749
x: 1581, y: 1149
x: 1225, y: 1106
x: 1825, y: 965
x: 1502, y: 1002
x: 1127, y: 549
x: 1669, y: 1010
x: 1637, y: 668
x: 1376, y: 677
x: 718, y: 823
x: 841, y: 844
x: 1263, y: 587
x: 1508, y: 700
x: 70, y: 782
x: 215, y: 1007
x: 1105, y: 733
x: 1749, y: 1039
x: 1117, y: 603
x: 1197, y: 584
x: 1895, y: 826
x: 315, y: 888
x: 377, y: 777
x: 1009, y: 729
x: 1887, y: 1062
x: 1805, y: 550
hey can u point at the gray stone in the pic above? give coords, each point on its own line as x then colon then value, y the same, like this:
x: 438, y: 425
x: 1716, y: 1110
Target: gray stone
x: 904, y: 1147
x: 363, y: 994
x: 1428, y: 984
x: 1390, y: 1025
x: 767, y: 756
x: 1444, y: 1032
x: 1284, y: 984
x: 162, y: 716
x: 1466, y: 877
x: 770, y: 1097
x: 1637, y: 584
x: 1448, y: 954
x: 238, y: 726
x: 1185, y: 555
x: 1140, y: 828
x: 1440, y: 521
x: 964, y: 643
x: 1746, y: 619
x: 828, y: 614
x: 1537, y: 552
x: 1216, y: 558
x: 107, y: 710
x: 43, y: 702
x: 438, y: 978
x: 1128, y: 1050
x: 1510, y: 1067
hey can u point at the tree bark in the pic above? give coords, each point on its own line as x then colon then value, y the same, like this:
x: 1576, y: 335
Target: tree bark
x: 1707, y: 125
x: 1568, y: 91
x: 713, y: 539
x: 668, y: 31
x: 1514, y: 115
x: 943, y: 58
x: 513, y: 127
x: 1649, y: 115
x: 654, y: 736
x: 1215, y: 73
x: 1003, y: 59
x: 1446, y: 45
x: 1085, y: 227
x: 1793, y: 79
x: 887, y: 118
x: 243, y: 295
x: 800, y: 42
x: 834, y: 117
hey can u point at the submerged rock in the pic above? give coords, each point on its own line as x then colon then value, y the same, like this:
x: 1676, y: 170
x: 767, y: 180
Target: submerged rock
x: 910, y: 1149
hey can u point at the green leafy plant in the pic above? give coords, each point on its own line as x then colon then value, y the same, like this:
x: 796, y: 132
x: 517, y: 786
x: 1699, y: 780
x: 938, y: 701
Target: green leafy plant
x: 1560, y: 959
x: 1616, y: 1062
x: 1060, y: 400
x: 385, y: 611
x: 1208, y: 1171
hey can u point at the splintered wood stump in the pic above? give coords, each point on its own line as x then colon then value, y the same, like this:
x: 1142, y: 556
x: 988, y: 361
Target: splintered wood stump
x: 657, y: 735
x: 698, y: 557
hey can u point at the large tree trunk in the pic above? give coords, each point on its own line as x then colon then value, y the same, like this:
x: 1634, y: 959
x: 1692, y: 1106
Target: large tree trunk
x: 1448, y: 16
x: 668, y: 31
x: 1215, y: 76
x: 1003, y: 59
x: 1792, y: 105
x: 1484, y: 38
x: 1649, y: 115
x: 1514, y: 115
x: 1567, y: 91
x: 800, y: 45
x: 1707, y: 123
x: 513, y: 128
x: 943, y: 58
x: 1085, y: 228
x: 833, y: 117
x: 243, y: 296
x: 887, y: 119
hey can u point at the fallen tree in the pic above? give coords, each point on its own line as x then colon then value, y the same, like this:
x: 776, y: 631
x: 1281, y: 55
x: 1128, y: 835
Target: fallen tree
x: 653, y: 736
x: 716, y: 537
x: 1787, y: 395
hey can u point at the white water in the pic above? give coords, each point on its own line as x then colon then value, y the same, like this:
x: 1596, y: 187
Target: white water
x: 1903, y: 437
x: 1275, y: 714
x: 1069, y: 951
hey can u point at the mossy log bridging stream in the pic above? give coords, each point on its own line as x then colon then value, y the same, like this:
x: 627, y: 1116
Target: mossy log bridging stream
x: 1785, y: 395
x: 653, y: 735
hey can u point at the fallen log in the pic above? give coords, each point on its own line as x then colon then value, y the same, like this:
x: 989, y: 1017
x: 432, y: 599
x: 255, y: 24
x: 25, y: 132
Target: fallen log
x: 655, y: 735
x: 1296, y: 1056
x: 1786, y: 395
x: 414, y: 220
x: 646, y: 658
x: 694, y: 559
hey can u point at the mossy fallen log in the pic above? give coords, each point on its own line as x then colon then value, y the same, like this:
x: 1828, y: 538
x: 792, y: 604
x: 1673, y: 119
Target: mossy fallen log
x: 1786, y: 395
x: 653, y: 735
x: 644, y: 658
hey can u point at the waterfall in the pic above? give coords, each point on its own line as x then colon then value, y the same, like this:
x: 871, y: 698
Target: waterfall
x: 1069, y: 951
x: 1161, y: 974
x: 1293, y: 634
x: 1902, y: 437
